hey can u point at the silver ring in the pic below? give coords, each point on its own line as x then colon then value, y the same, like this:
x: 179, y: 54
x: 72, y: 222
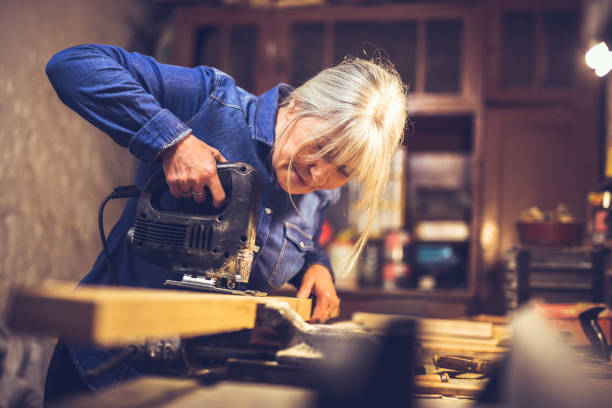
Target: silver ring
x: 196, y: 194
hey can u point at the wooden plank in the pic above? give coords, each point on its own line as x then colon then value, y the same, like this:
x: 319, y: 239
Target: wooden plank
x: 110, y: 316
x: 301, y: 306
x: 428, y: 326
x: 499, y: 320
x: 445, y: 335
x: 459, y: 341
x: 169, y: 392
x: 447, y: 389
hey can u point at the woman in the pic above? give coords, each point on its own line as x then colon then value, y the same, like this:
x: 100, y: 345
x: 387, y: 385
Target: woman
x: 305, y: 143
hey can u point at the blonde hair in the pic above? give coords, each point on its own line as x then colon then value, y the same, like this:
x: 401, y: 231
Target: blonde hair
x: 362, y: 104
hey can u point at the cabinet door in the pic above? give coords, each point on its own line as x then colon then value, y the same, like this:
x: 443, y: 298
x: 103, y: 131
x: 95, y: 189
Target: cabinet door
x: 231, y: 48
x: 535, y: 50
x: 444, y: 55
x: 395, y: 40
x: 237, y: 42
x: 307, y: 51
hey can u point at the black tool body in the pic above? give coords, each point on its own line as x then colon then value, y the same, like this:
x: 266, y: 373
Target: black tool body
x: 199, y: 239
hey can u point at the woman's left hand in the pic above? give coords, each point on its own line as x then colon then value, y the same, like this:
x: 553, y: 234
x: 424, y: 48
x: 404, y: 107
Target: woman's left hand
x: 318, y: 281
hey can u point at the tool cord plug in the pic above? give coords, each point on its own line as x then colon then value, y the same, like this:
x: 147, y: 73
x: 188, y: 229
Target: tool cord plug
x: 125, y: 192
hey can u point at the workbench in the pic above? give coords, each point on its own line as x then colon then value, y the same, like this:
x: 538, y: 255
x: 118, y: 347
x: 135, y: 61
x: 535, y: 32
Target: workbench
x: 109, y: 317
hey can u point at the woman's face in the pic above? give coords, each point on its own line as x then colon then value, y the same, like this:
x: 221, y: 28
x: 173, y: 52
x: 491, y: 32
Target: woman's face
x: 305, y: 175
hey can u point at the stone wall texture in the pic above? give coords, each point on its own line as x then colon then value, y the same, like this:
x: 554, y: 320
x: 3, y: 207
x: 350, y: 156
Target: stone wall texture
x: 55, y: 168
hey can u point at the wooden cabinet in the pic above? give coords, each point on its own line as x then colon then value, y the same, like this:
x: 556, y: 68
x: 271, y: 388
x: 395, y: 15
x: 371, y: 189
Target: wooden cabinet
x: 434, y: 49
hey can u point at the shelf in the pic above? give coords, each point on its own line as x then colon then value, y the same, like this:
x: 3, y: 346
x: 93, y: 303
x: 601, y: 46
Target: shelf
x: 439, y: 303
x: 403, y: 293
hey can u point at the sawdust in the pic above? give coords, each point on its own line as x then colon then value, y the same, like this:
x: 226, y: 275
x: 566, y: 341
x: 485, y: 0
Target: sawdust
x: 301, y: 350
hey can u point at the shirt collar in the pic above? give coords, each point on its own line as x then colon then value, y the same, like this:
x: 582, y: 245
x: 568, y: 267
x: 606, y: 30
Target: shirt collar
x: 265, y: 114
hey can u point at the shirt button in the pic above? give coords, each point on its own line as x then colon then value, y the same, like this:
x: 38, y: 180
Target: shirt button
x: 256, y: 249
x: 268, y: 210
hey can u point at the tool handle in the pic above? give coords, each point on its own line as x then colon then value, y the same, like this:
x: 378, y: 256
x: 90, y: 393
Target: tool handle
x: 157, y: 182
x: 157, y: 185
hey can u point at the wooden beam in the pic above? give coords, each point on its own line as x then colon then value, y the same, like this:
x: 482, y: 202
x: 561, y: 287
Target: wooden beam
x: 171, y: 392
x: 445, y: 335
x: 427, y: 326
x: 112, y: 316
x: 425, y: 387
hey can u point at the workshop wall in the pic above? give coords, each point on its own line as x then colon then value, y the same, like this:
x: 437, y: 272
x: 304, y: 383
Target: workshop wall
x: 54, y: 167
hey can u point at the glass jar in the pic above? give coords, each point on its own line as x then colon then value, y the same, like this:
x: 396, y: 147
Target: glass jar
x: 599, y: 225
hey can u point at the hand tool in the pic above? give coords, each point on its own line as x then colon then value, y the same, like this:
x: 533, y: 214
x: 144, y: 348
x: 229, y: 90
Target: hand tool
x: 212, y: 248
x: 465, y: 364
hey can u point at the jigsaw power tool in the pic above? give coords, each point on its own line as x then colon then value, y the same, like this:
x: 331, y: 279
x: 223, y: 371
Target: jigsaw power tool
x: 212, y: 248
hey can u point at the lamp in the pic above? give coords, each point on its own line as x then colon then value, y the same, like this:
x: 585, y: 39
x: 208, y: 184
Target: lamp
x: 599, y: 58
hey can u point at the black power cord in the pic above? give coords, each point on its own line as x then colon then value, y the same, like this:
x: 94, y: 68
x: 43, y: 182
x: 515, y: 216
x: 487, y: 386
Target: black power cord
x: 118, y: 192
x: 124, y: 355
x: 127, y: 353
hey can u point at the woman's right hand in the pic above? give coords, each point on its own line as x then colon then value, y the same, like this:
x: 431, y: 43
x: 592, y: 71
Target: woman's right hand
x: 189, y: 166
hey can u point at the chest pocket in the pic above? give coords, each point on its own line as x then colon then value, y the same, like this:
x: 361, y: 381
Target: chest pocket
x: 295, y: 244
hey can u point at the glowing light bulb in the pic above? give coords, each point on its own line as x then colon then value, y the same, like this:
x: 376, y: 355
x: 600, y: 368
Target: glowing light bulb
x: 599, y: 58
x: 605, y: 203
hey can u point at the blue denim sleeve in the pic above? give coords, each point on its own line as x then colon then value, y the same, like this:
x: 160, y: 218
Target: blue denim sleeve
x: 318, y: 255
x: 142, y: 104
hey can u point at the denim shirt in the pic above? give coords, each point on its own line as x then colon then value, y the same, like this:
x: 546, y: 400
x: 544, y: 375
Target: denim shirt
x: 147, y: 106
